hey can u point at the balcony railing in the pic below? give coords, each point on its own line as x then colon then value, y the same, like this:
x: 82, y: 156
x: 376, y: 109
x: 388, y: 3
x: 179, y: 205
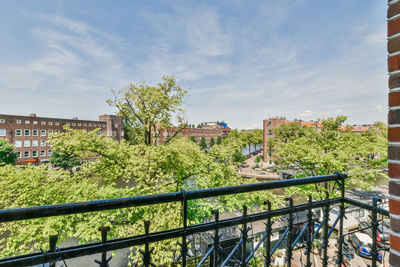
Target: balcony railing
x: 214, y: 254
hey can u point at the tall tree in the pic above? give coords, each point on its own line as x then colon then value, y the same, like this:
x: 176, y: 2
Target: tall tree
x: 149, y: 109
x: 320, y: 152
x: 203, y: 143
x: 212, y: 141
x: 7, y: 156
x: 193, y: 139
x: 219, y: 140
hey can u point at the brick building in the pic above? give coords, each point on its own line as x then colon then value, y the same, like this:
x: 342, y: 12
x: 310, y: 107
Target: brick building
x: 393, y: 47
x: 29, y: 134
x: 271, y: 123
x: 208, y: 130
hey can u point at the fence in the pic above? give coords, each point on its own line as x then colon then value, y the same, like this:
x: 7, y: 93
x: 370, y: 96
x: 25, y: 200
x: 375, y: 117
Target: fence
x: 238, y: 256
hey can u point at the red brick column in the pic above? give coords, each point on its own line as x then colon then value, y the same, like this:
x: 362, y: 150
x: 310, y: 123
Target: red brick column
x: 393, y: 46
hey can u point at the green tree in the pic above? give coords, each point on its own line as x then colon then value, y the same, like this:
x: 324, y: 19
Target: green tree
x: 203, y: 143
x: 219, y: 140
x: 238, y: 157
x: 212, y: 141
x: 257, y: 137
x: 147, y: 169
x: 7, y: 156
x: 147, y: 110
x: 193, y: 139
x: 63, y: 160
x: 315, y: 152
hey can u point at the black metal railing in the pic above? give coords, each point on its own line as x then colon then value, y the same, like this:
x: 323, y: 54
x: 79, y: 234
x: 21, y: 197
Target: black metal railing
x: 239, y: 255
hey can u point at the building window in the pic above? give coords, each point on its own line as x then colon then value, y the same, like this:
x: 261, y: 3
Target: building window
x: 26, y: 154
x: 79, y: 124
x: 34, y: 153
x: 18, y: 154
x: 57, y: 131
x: 49, y: 152
x: 42, y: 153
x: 27, y: 122
x: 43, y: 123
x: 27, y: 143
x: 3, y: 132
x: 2, y: 121
x: 50, y: 131
x: 269, y: 132
x: 85, y: 124
x: 35, y: 143
x: 34, y: 122
x: 18, y: 132
x: 50, y: 123
x: 42, y: 132
x: 35, y: 132
x: 42, y: 142
x: 90, y: 125
x: 18, y: 121
x: 73, y: 124
x: 27, y: 132
x: 18, y: 143
x: 57, y: 123
x: 103, y: 125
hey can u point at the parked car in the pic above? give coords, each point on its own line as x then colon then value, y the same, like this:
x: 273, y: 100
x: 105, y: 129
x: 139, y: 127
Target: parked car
x: 362, y: 244
x: 382, y: 236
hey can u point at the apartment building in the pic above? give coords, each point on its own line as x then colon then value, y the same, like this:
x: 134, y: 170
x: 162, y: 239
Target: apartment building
x: 271, y: 123
x: 29, y: 134
x: 208, y: 130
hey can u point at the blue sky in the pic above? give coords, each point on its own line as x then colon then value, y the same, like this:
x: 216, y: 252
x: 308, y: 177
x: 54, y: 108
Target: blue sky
x: 242, y: 61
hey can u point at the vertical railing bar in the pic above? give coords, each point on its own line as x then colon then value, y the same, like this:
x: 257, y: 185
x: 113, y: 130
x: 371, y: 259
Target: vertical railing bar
x: 216, y: 238
x: 53, y: 244
x: 268, y: 230
x: 290, y: 232
x: 310, y: 228
x: 326, y: 230
x: 146, y: 253
x: 244, y: 233
x: 185, y: 215
x: 340, y: 245
x: 374, y: 223
x: 104, y: 261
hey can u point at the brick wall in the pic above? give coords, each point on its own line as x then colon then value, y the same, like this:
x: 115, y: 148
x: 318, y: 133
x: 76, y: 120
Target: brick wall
x: 393, y: 48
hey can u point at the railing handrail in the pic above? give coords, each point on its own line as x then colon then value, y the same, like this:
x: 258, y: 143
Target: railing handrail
x: 125, y: 242
x: 7, y: 215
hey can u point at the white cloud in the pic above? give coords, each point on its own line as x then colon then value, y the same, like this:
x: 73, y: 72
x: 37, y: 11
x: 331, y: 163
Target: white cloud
x: 306, y: 113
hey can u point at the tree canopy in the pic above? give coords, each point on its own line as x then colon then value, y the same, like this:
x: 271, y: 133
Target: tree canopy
x: 113, y: 169
x: 331, y: 149
x: 7, y: 156
x: 146, y: 110
x: 63, y: 160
